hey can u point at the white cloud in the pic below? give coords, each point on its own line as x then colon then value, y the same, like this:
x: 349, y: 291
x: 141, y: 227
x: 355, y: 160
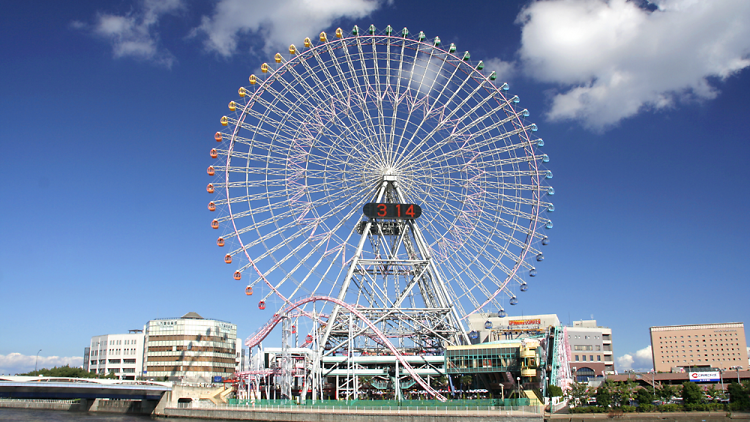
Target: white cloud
x: 278, y: 22
x: 613, y: 59
x: 641, y: 360
x: 504, y: 70
x: 134, y: 34
x: 16, y: 363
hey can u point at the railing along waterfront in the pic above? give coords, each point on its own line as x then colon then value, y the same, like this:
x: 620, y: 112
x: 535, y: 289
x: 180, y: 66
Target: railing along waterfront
x: 461, y: 407
x: 63, y: 401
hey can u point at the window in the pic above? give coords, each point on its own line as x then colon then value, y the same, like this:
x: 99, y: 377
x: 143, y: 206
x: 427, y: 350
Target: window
x: 598, y: 358
x: 576, y: 358
x: 583, y: 358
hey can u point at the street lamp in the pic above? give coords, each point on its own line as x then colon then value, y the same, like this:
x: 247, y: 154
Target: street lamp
x: 738, y: 372
x: 518, y: 379
x: 653, y: 381
x: 36, y: 362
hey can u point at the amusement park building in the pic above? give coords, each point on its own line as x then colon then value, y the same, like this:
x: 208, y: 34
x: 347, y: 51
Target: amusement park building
x: 118, y: 354
x: 591, y: 353
x: 190, y: 348
x: 677, y: 348
x: 484, y: 327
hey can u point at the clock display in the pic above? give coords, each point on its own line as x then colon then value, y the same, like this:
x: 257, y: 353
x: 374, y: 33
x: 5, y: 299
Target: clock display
x: 391, y: 210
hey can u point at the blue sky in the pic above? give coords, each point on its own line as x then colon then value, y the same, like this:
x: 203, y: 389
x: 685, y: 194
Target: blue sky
x: 109, y: 109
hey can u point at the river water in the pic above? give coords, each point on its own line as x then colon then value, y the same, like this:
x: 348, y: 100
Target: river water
x: 32, y: 415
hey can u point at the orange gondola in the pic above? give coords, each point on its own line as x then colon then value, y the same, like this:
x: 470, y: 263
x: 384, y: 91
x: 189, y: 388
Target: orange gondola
x: 228, y: 259
x: 249, y: 291
x: 218, y: 137
x: 210, y: 188
x: 214, y: 153
x: 215, y: 224
x: 211, y: 171
x: 237, y: 275
x: 211, y: 206
x: 220, y: 242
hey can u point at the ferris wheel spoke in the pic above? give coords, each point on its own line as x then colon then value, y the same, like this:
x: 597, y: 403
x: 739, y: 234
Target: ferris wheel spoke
x: 289, y: 213
x: 458, y: 139
x: 369, y: 92
x: 359, y: 128
x: 293, y: 253
x: 360, y: 94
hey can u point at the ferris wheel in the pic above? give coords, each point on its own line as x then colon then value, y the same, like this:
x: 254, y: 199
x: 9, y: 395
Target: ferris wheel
x: 329, y: 145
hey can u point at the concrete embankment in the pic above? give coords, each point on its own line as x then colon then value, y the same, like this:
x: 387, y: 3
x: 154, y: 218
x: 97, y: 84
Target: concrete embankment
x: 137, y: 407
x: 351, y: 415
x: 652, y: 417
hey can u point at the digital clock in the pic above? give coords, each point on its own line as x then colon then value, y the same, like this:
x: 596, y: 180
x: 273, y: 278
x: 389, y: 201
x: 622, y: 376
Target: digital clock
x: 390, y: 210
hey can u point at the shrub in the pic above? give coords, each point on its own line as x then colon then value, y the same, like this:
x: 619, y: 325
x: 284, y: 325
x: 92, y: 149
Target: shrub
x: 647, y: 407
x: 737, y: 406
x: 670, y: 408
x: 627, y: 409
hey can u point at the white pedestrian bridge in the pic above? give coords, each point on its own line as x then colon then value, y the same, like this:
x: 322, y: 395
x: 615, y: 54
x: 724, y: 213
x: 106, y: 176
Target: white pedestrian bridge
x: 25, y: 387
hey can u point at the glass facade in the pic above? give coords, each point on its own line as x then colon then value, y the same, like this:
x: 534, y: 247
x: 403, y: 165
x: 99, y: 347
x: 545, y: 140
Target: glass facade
x: 478, y: 360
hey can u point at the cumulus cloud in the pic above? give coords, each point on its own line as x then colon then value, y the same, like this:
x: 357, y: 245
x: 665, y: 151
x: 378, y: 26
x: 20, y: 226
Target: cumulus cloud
x: 16, y: 363
x: 613, y: 59
x: 134, y: 34
x: 279, y: 22
x: 504, y: 70
x: 640, y: 361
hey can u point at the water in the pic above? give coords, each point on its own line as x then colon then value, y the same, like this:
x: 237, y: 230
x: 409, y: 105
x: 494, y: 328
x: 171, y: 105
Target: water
x: 33, y: 415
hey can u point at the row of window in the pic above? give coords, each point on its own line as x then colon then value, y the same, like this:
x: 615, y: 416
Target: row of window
x: 119, y: 342
x: 188, y: 353
x: 225, y: 344
x: 700, y: 360
x: 591, y: 358
x: 113, y: 361
x: 586, y: 348
x: 690, y: 346
x: 702, y: 335
x: 124, y: 370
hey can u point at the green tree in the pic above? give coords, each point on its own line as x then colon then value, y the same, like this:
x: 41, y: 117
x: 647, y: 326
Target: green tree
x: 666, y: 392
x: 465, y: 381
x: 623, y: 392
x: 62, y: 372
x: 604, y: 394
x: 578, y: 393
x: 691, y: 393
x: 644, y: 396
x: 554, y: 391
x: 738, y: 394
x: 714, y: 392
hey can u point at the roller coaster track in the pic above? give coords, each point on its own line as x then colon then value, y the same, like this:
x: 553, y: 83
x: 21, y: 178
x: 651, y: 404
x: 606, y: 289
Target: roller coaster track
x: 264, y: 331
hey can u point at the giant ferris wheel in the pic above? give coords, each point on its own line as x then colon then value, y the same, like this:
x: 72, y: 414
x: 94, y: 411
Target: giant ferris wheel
x: 383, y: 184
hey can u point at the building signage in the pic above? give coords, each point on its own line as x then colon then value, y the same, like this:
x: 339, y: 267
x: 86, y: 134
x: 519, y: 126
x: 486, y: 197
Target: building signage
x: 525, y: 322
x: 704, y: 376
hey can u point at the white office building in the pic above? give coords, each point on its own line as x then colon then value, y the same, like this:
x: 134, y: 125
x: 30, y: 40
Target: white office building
x: 118, y: 354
